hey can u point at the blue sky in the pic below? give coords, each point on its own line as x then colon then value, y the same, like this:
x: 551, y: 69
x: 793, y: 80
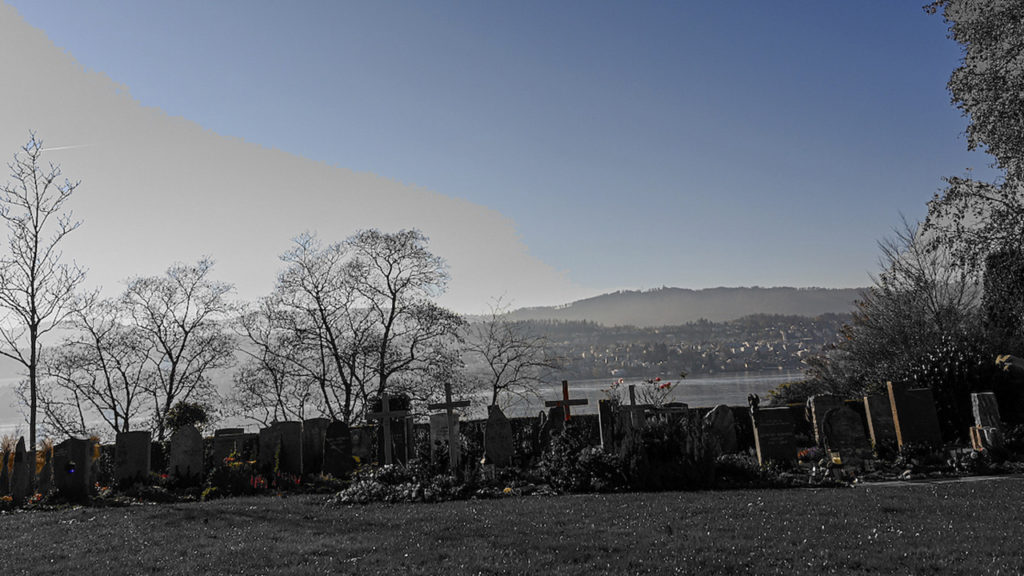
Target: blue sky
x: 632, y: 144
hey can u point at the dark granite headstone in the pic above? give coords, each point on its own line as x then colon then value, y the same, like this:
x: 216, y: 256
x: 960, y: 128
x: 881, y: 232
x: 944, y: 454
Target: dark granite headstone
x: 986, y: 410
x: 45, y: 478
x: 722, y: 425
x: 186, y: 462
x: 338, y: 460
x: 914, y: 415
x: 281, y: 448
x: 773, y: 435
x: 362, y: 444
x: 226, y: 441
x: 820, y: 404
x: 498, y: 444
x: 72, y: 464
x: 6, y: 459
x: 843, y: 432
x: 880, y: 425
x: 132, y: 457
x: 21, y: 475
x: 314, y: 431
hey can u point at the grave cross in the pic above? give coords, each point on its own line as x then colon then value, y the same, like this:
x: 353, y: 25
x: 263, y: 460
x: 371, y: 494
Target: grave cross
x: 636, y: 411
x: 386, y: 414
x: 565, y: 402
x: 449, y: 406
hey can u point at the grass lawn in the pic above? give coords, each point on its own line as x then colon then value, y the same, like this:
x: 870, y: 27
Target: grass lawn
x: 964, y: 528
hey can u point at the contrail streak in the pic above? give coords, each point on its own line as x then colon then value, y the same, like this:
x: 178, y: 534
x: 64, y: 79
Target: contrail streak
x: 52, y: 148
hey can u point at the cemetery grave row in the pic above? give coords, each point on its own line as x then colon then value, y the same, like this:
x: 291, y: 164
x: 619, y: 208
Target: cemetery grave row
x: 850, y: 433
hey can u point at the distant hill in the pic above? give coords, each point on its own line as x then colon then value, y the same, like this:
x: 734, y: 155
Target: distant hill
x: 672, y: 306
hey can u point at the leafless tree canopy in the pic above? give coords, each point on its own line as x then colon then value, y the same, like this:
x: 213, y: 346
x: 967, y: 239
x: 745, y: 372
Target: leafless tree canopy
x: 36, y: 286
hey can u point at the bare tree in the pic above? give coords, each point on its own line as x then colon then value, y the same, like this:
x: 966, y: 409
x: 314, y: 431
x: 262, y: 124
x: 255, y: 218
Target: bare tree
x: 181, y: 316
x: 274, y: 383
x: 515, y: 361
x: 36, y: 286
x: 396, y: 279
x: 97, y: 374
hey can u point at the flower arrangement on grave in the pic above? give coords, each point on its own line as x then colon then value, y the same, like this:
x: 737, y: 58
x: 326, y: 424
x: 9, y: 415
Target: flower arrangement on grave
x: 812, y: 454
x: 651, y: 391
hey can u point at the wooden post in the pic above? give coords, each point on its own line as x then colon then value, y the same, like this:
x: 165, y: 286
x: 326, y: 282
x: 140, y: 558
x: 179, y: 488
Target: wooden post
x: 565, y: 402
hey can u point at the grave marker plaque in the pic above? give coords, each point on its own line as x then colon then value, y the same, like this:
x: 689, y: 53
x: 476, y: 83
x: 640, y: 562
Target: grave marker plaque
x: 914, y: 415
x: 773, y: 435
x: 186, y: 460
x: 338, y: 460
x: 132, y: 457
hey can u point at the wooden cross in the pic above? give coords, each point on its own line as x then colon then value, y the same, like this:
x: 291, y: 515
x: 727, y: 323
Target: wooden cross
x: 635, y: 410
x: 386, y: 414
x: 449, y: 407
x: 565, y: 402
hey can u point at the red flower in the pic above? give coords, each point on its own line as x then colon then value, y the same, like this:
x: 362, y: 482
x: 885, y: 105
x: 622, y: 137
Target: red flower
x: 657, y: 379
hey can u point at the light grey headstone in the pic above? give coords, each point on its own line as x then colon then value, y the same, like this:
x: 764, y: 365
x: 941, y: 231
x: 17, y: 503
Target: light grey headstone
x: 132, y: 457
x: 498, y: 442
x: 186, y: 460
x: 440, y: 436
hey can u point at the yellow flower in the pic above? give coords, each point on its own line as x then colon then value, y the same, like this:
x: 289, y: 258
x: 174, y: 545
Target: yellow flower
x: 507, y: 490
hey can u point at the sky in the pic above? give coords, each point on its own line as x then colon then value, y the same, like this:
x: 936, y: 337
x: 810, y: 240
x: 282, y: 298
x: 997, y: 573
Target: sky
x: 551, y: 150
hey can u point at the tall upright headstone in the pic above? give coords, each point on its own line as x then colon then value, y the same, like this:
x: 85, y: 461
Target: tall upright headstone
x: 6, y: 458
x: 721, y: 423
x: 338, y: 460
x: 986, y: 410
x: 498, y: 445
x: 227, y: 441
x: 186, y: 461
x: 843, y: 431
x: 606, y: 420
x: 880, y: 425
x: 314, y: 431
x: 132, y: 456
x: 72, y: 466
x: 394, y: 439
x: 773, y: 435
x: 45, y: 478
x: 281, y: 448
x: 450, y: 426
x: 914, y: 415
x: 820, y: 404
x: 21, y: 475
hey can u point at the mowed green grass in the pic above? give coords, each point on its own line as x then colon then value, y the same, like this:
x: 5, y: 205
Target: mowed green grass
x: 966, y: 528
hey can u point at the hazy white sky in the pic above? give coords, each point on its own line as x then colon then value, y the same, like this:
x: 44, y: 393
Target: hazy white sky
x: 550, y: 150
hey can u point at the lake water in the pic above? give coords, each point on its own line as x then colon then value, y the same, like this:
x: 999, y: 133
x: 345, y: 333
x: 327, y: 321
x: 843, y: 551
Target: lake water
x: 731, y: 389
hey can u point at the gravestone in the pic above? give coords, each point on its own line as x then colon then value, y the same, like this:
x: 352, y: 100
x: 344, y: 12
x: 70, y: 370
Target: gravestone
x: 554, y: 423
x: 843, y: 432
x: 606, y: 422
x: 773, y: 435
x: 5, y: 474
x: 880, y: 425
x: 986, y: 410
x: 820, y: 404
x: 21, y: 475
x: 441, y: 436
x: 72, y: 463
x: 314, y: 432
x: 337, y: 459
x: 914, y: 415
x: 450, y: 426
x: 498, y: 444
x: 45, y: 479
x: 722, y: 425
x: 132, y: 457
x: 225, y: 442
x: 362, y: 444
x: 186, y: 462
x: 281, y: 448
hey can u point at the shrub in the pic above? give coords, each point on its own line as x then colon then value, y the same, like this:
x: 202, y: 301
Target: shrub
x: 669, y: 454
x: 570, y: 463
